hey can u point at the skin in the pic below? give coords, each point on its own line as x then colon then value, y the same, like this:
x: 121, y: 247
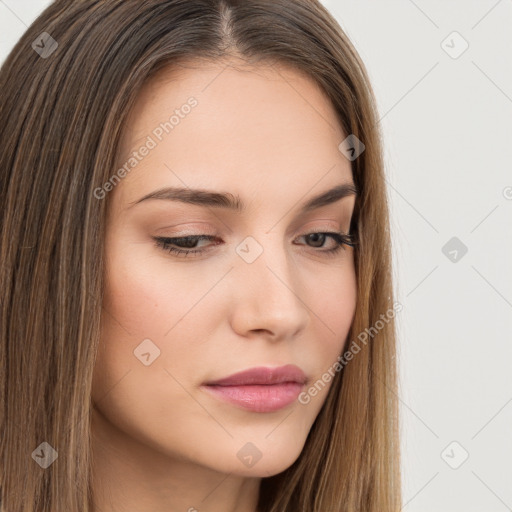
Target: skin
x: 267, y: 133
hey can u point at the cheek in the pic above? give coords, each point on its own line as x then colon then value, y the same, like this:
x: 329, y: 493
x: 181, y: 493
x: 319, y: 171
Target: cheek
x: 143, y: 300
x: 333, y: 297
x: 145, y: 293
x: 147, y: 298
x: 333, y: 304
x: 133, y: 292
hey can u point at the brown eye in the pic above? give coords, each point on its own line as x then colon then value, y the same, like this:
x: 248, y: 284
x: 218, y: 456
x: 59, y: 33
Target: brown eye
x: 317, y: 239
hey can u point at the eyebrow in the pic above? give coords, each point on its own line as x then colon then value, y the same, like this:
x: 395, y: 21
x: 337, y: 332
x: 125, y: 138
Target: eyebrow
x: 208, y: 198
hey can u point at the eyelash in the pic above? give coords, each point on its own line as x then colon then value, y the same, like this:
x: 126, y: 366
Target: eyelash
x: 166, y: 243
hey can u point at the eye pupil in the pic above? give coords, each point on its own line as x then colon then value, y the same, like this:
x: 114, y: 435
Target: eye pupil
x: 317, y: 237
x: 187, y: 242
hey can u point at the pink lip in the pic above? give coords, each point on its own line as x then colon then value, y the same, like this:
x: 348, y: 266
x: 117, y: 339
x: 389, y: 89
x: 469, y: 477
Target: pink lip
x: 260, y: 389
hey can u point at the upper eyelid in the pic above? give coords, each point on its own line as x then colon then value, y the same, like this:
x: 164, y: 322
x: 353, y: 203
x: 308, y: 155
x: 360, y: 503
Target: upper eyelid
x: 211, y: 236
x: 204, y: 227
x: 204, y: 231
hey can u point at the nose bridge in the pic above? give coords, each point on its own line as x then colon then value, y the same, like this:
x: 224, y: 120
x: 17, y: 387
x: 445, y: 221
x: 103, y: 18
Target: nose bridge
x: 269, y: 293
x: 262, y: 258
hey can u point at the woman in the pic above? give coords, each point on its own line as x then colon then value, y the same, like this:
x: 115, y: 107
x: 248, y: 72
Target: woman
x: 197, y: 303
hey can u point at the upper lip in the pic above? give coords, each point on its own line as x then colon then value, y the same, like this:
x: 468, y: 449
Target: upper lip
x: 262, y: 375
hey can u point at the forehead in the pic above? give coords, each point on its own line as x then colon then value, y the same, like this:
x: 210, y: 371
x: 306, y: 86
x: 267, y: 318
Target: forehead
x: 265, y: 123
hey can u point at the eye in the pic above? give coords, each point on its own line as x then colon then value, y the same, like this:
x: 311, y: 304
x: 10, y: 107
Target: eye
x: 340, y: 239
x: 187, y: 245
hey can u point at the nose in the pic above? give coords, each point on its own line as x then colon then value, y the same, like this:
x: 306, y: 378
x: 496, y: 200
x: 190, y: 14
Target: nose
x: 269, y: 297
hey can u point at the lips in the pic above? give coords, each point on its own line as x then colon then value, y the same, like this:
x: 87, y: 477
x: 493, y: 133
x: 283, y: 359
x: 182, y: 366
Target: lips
x: 263, y: 376
x: 260, y: 389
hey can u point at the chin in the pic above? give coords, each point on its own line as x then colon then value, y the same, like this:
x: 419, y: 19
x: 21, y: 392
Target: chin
x: 260, y: 461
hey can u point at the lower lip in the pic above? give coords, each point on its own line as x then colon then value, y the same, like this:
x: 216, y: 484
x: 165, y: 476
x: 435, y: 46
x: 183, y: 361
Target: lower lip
x: 259, y: 398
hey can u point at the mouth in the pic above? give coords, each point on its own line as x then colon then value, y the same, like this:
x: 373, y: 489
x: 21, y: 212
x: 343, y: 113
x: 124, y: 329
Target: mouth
x: 260, y: 389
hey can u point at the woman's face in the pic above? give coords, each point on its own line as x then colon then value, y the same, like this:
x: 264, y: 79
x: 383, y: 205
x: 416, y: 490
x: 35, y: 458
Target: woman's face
x: 263, y: 292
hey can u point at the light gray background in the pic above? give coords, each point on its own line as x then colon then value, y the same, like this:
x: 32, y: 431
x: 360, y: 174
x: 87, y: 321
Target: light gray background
x: 447, y: 126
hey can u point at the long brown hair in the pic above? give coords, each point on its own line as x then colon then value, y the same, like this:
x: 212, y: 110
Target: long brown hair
x: 62, y: 115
